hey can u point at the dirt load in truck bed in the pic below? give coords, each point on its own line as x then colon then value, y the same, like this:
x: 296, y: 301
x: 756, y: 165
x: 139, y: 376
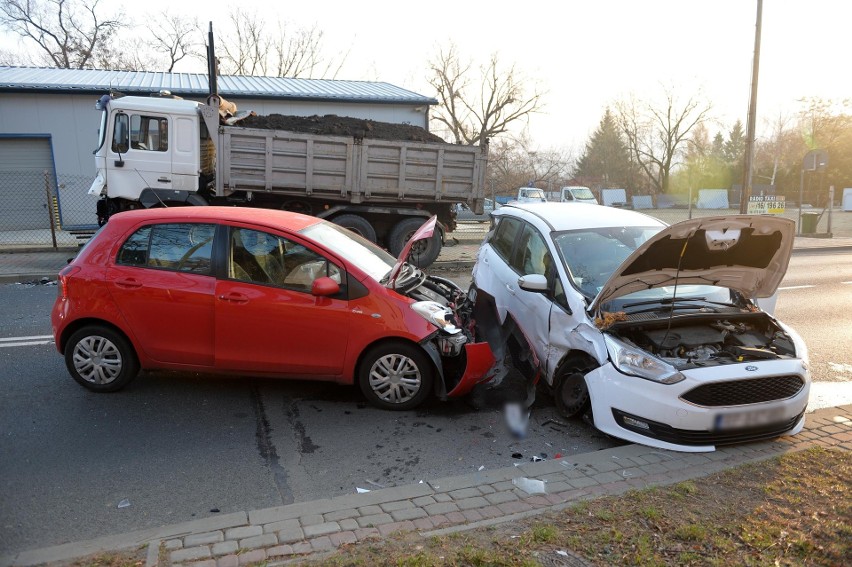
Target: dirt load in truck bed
x: 334, y: 125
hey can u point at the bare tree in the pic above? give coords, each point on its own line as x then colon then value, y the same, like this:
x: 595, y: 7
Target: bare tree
x: 245, y: 49
x: 10, y: 58
x: 657, y: 134
x: 516, y: 162
x: 69, y: 34
x: 251, y: 49
x: 299, y: 54
x: 476, y: 106
x: 174, y: 39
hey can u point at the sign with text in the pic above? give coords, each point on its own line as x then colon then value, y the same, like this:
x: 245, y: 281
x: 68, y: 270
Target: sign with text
x: 766, y: 204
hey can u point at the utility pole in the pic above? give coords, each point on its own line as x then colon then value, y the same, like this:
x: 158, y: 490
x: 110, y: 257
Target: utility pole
x: 752, y: 115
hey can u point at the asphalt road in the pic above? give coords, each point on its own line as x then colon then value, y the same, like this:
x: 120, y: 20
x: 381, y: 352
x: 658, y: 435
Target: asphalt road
x: 176, y: 447
x: 182, y: 446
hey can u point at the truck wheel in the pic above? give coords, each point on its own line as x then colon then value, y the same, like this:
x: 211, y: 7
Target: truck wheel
x: 424, y: 252
x: 396, y: 376
x: 358, y: 225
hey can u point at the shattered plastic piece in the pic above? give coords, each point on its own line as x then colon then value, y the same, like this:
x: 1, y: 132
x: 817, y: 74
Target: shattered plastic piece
x: 214, y: 510
x: 517, y: 419
x: 361, y: 490
x: 124, y: 503
x: 557, y: 456
x: 482, y: 467
x: 517, y: 456
x: 562, y: 553
x: 530, y: 485
x: 536, y: 458
x: 376, y: 484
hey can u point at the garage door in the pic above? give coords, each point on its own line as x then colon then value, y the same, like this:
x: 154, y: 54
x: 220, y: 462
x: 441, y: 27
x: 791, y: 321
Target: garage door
x: 23, y: 202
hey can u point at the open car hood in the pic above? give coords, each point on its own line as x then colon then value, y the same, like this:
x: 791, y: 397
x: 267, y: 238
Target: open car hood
x: 425, y: 231
x: 746, y: 253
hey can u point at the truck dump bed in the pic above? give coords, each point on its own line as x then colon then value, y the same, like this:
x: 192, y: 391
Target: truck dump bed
x: 346, y: 168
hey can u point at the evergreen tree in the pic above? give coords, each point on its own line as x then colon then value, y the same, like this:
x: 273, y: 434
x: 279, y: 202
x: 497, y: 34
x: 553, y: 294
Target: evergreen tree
x: 734, y: 152
x: 606, y: 159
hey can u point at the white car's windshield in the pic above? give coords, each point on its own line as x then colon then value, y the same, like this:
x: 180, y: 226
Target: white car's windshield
x: 591, y: 255
x: 583, y: 194
x: 368, y: 257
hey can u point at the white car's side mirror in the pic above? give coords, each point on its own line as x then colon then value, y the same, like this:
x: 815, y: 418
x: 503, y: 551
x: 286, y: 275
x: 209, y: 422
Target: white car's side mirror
x: 533, y: 282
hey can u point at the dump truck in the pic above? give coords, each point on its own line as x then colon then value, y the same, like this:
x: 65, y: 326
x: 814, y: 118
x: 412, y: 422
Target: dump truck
x: 165, y: 151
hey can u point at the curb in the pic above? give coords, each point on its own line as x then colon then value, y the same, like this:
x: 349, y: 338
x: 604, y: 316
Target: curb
x: 438, y: 507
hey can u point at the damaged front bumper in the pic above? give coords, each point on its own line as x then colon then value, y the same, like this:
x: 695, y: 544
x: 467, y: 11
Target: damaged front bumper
x: 458, y: 373
x: 661, y: 415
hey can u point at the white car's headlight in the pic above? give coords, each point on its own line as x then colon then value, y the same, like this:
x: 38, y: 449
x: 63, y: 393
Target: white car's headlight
x: 636, y: 362
x: 437, y: 314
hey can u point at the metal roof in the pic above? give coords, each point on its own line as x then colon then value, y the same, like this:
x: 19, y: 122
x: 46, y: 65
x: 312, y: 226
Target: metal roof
x: 64, y: 81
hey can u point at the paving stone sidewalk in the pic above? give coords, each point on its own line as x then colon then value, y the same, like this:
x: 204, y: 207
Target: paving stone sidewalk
x: 275, y: 535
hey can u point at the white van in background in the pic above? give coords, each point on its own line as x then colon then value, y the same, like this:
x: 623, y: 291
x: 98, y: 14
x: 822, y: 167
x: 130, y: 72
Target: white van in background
x: 577, y: 194
x: 530, y: 195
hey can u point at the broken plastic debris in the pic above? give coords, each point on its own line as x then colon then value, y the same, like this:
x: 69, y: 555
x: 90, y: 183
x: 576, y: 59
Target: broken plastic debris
x: 536, y: 458
x: 124, y: 503
x: 557, y: 456
x: 482, y: 467
x: 361, y: 490
x: 517, y: 419
x: 376, y: 484
x: 562, y: 553
x: 529, y: 485
x: 517, y: 456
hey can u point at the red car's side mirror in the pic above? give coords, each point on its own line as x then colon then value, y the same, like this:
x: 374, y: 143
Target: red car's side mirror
x: 324, y: 287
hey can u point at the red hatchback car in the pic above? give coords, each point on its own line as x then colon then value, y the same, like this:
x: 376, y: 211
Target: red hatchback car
x: 264, y: 293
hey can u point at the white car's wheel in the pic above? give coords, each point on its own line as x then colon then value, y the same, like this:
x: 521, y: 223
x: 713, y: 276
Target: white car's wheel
x: 570, y: 392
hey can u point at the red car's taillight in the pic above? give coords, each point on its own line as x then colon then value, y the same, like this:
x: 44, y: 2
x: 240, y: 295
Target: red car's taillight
x: 64, y: 275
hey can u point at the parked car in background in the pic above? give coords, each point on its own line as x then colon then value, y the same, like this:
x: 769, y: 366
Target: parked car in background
x: 465, y: 214
x: 653, y: 332
x: 530, y: 195
x: 578, y: 194
x: 262, y: 292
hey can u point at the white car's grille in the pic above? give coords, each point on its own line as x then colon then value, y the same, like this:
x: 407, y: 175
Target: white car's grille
x: 742, y: 392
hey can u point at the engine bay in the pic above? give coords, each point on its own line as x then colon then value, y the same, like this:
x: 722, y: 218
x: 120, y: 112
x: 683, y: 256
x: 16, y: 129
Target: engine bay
x: 697, y: 342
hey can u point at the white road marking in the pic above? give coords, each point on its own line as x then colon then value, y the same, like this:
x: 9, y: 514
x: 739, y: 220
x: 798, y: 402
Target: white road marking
x: 795, y: 287
x: 829, y: 394
x: 26, y: 341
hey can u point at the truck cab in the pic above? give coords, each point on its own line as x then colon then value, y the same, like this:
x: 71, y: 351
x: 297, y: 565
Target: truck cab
x: 148, y: 147
x: 530, y: 195
x: 577, y: 194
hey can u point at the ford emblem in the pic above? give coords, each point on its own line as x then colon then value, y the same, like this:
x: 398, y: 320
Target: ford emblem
x: 751, y: 368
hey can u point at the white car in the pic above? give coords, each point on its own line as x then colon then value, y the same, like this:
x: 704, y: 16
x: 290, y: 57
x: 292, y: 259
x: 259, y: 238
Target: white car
x: 655, y: 332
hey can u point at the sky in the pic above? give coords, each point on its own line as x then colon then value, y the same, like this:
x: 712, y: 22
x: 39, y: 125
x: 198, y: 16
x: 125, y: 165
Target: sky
x: 584, y: 55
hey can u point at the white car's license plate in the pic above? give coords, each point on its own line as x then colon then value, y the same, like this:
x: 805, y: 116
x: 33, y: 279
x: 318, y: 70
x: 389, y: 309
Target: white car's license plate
x: 750, y: 418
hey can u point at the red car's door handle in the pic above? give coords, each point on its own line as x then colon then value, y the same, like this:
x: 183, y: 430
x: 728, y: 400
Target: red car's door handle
x: 130, y: 283
x: 234, y: 298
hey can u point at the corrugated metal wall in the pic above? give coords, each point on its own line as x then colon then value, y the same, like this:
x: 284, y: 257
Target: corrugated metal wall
x: 23, y: 200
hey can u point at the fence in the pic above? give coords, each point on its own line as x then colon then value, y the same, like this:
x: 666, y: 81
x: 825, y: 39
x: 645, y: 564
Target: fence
x: 39, y: 210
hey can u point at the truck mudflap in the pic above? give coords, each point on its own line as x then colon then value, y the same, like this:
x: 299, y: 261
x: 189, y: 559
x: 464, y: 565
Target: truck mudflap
x: 478, y: 361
